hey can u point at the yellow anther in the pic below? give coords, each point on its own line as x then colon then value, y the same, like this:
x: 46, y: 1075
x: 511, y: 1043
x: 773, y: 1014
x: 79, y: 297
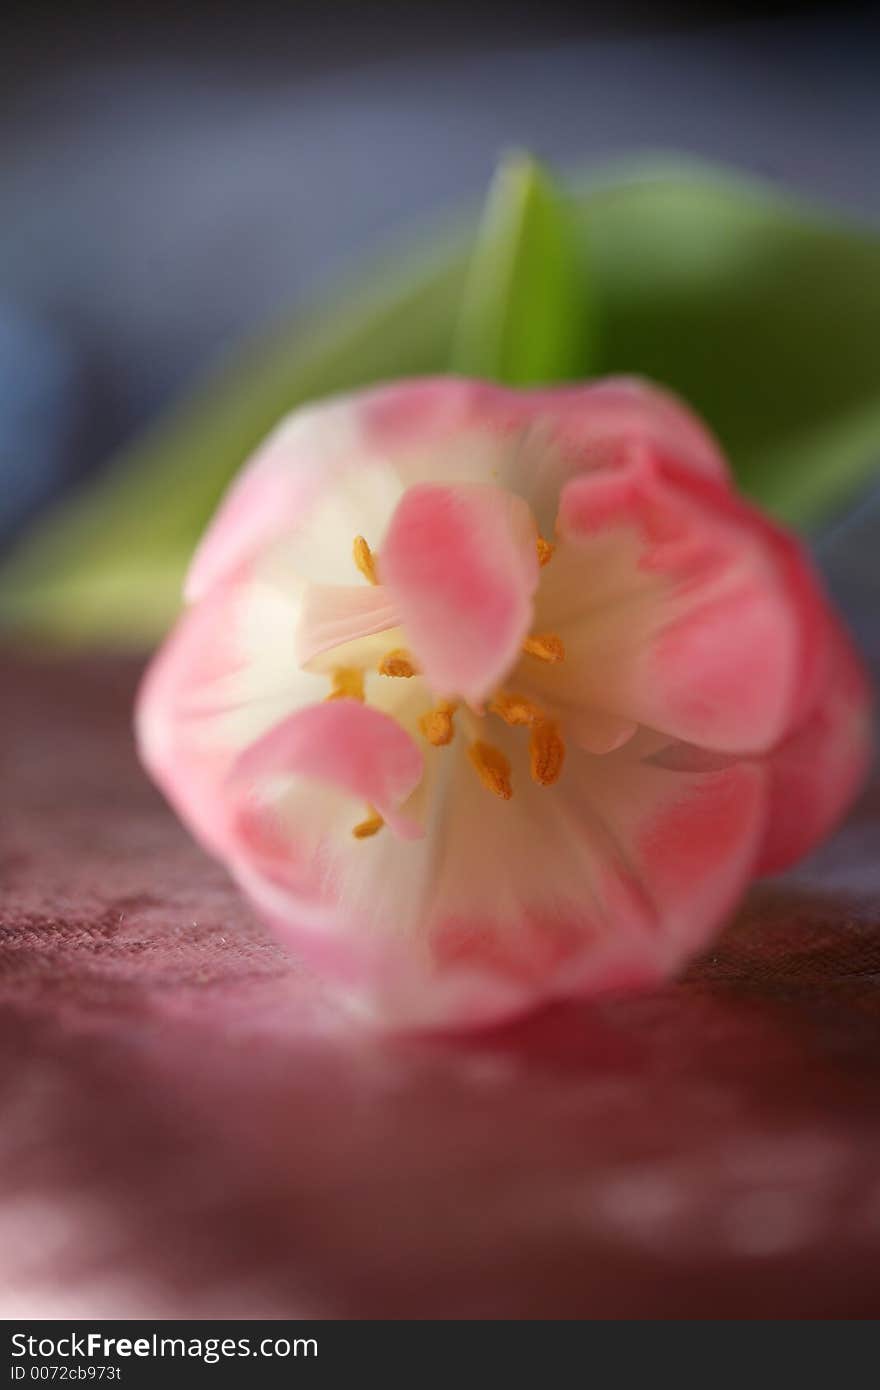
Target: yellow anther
x: 546, y: 754
x: 348, y: 683
x: 398, y: 663
x: 545, y: 551
x: 515, y: 709
x: 437, y: 725
x: 369, y: 827
x: 363, y: 558
x: 546, y: 646
x: 492, y: 768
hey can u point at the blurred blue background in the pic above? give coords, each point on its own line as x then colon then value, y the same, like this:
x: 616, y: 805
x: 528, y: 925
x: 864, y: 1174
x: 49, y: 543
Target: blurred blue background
x: 171, y: 181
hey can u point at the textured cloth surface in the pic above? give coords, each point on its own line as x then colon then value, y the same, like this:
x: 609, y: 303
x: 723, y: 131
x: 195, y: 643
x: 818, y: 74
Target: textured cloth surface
x: 191, y: 1129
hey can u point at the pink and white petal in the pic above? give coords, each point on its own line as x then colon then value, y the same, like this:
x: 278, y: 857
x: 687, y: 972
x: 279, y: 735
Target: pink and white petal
x: 277, y: 490
x: 468, y: 926
x: 224, y: 676
x: 443, y: 430
x: 460, y: 567
x: 686, y: 840
x: 641, y: 413
x: 717, y: 633
x: 332, y: 616
x: 610, y: 881
x: 381, y: 979
x: 341, y: 744
x: 325, y: 475
x: 408, y: 418
x: 596, y: 730
x: 604, y: 424
x: 586, y: 426
x: 337, y: 469
x: 816, y: 772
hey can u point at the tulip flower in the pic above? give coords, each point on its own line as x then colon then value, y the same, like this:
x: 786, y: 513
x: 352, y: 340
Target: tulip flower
x: 487, y: 697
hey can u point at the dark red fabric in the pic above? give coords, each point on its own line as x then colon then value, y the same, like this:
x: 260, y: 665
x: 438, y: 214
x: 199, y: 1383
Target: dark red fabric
x: 190, y: 1129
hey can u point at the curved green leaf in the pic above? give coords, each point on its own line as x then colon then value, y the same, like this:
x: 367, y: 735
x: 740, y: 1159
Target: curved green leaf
x: 524, y: 318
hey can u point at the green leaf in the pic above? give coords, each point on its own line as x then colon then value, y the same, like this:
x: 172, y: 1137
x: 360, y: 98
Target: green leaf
x: 763, y: 314
x: 523, y: 319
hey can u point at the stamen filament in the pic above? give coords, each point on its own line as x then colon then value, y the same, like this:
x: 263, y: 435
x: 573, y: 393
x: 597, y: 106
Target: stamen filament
x: 363, y: 558
x: 546, y: 754
x: 348, y: 683
x: 492, y: 768
x: 369, y: 827
x: 516, y: 709
x: 546, y: 646
x: 398, y: 663
x: 437, y: 725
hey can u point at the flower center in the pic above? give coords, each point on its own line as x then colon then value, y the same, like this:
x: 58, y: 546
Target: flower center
x: 438, y: 724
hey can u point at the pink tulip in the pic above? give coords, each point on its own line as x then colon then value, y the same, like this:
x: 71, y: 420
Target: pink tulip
x: 487, y: 697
